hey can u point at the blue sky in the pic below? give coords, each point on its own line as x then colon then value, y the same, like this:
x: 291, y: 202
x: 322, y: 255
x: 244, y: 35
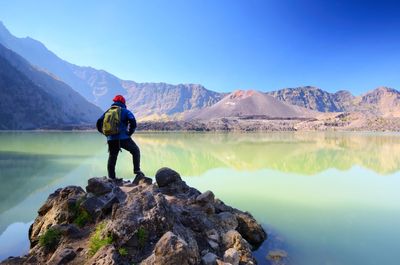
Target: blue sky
x: 223, y: 45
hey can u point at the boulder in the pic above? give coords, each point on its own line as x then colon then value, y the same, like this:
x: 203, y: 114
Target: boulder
x: 227, y: 220
x: 100, y: 186
x: 169, y: 250
x: 93, y: 206
x: 106, y: 255
x: 205, y: 197
x: 250, y: 229
x: 233, y: 239
x: 209, y: 259
x: 231, y: 256
x: 68, y: 230
x: 166, y: 176
x: 62, y: 256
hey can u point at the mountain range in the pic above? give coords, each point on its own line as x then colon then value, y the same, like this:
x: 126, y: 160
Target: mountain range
x: 99, y: 86
x: 162, y: 101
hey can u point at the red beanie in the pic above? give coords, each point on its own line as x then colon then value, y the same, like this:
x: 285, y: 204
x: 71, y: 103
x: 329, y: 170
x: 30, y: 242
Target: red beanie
x: 119, y: 98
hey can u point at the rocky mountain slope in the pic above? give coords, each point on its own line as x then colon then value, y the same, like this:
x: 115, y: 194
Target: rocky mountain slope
x: 314, y: 98
x: 249, y: 104
x: 158, y: 100
x: 166, y: 223
x: 96, y: 86
x: 32, y: 99
x: 99, y: 87
x: 380, y: 102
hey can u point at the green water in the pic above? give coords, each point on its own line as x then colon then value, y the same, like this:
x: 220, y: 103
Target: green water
x: 327, y: 198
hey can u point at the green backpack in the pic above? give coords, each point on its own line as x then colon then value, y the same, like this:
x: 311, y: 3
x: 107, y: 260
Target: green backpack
x: 112, y: 120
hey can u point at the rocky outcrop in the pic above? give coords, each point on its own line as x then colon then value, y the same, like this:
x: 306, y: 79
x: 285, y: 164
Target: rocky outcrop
x: 314, y: 98
x: 167, y: 222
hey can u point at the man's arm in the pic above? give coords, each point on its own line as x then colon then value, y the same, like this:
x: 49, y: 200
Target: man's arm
x: 132, y: 123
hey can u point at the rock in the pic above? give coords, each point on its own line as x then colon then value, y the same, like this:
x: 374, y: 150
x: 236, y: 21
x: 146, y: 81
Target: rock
x: 227, y: 220
x: 232, y: 239
x: 171, y: 249
x: 166, y: 176
x: 61, y: 257
x: 205, y: 197
x: 55, y: 211
x: 277, y: 257
x: 231, y: 256
x: 69, y: 230
x: 93, y: 206
x: 106, y: 255
x: 214, y: 245
x: 209, y: 259
x: 213, y: 235
x: 220, y: 262
x: 250, y: 229
x: 14, y: 261
x: 99, y: 186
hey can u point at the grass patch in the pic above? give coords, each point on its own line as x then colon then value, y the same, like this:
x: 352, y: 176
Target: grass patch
x: 142, y: 236
x: 50, y: 239
x: 98, y: 239
x: 123, y: 252
x: 81, y: 216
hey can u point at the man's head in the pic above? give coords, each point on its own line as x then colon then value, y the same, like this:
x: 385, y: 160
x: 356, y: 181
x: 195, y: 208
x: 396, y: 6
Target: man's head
x: 119, y: 98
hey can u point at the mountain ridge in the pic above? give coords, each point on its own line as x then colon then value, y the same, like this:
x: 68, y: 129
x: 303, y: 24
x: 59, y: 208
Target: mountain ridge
x: 32, y: 99
x: 161, y: 101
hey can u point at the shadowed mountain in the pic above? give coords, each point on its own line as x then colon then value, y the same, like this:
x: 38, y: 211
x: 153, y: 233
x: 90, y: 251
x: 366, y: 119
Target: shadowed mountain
x: 94, y: 85
x: 249, y: 104
x: 32, y: 99
x: 314, y: 98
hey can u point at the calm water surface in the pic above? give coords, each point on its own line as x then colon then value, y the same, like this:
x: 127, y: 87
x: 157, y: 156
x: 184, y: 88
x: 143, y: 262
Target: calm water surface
x: 327, y: 198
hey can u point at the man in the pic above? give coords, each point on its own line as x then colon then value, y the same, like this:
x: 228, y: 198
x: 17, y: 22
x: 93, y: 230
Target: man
x: 120, y: 136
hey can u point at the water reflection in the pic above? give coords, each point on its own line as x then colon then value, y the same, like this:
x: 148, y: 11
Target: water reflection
x: 265, y: 173
x: 299, y: 153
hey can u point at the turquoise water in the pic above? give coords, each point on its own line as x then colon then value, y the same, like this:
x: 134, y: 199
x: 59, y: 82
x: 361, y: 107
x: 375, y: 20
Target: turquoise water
x: 327, y: 198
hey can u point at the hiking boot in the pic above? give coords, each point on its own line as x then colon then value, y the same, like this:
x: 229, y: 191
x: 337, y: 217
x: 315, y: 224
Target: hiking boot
x: 141, y: 178
x: 118, y: 181
x: 139, y: 173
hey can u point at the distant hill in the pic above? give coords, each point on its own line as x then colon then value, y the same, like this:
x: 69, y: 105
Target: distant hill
x: 32, y: 99
x: 248, y: 104
x: 381, y: 102
x: 314, y: 98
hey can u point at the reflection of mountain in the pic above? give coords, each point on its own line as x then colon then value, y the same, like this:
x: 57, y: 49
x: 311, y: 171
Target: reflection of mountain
x: 308, y: 154
x: 42, y: 161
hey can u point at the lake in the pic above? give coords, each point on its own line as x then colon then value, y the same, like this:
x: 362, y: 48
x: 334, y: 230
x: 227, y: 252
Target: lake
x: 326, y: 198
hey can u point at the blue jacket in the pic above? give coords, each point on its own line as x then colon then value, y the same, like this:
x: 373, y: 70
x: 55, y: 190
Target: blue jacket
x: 127, y: 118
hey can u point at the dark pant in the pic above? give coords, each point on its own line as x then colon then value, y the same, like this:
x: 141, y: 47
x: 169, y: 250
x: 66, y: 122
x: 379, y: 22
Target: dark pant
x: 114, y: 148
